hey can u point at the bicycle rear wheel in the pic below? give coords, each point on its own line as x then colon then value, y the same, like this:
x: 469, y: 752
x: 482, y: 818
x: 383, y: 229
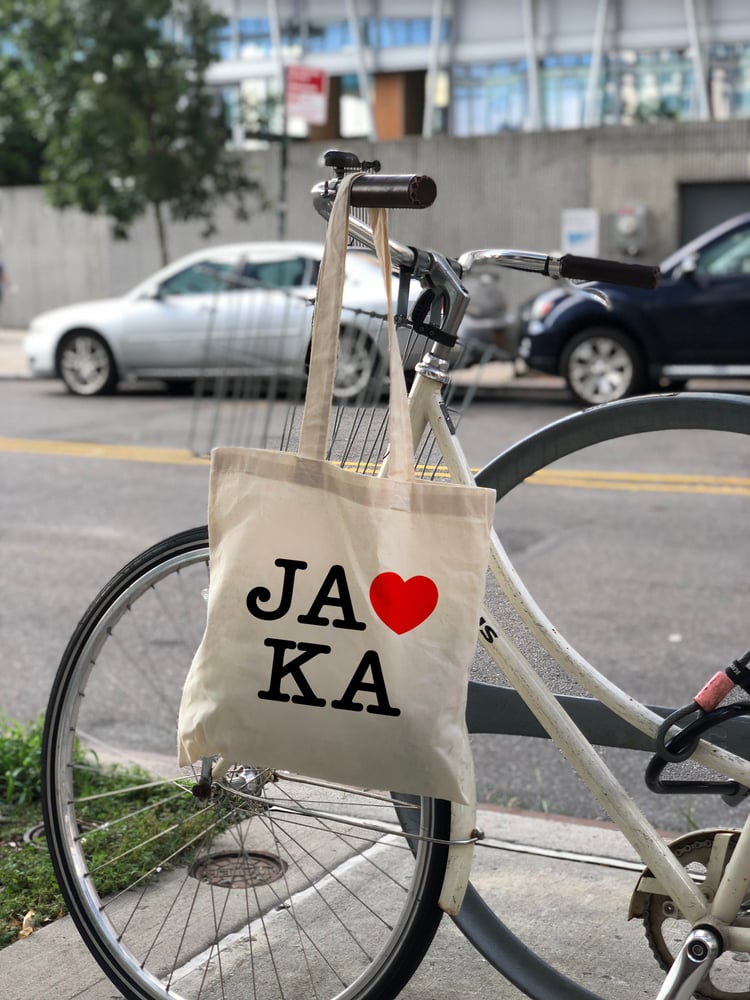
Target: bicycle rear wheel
x: 489, y: 922
x: 270, y: 884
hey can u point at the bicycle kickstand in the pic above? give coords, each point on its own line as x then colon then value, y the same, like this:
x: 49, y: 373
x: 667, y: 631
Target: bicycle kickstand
x: 701, y: 949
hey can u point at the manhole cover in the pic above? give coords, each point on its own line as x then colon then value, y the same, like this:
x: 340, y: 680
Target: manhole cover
x: 37, y: 835
x: 234, y: 870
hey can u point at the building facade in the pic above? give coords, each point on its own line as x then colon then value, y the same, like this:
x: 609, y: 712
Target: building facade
x: 392, y: 68
x: 524, y: 112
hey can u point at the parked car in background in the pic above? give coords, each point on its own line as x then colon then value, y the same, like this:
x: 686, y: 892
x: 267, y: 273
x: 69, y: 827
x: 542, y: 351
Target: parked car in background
x: 238, y: 309
x: 488, y: 330
x: 695, y: 324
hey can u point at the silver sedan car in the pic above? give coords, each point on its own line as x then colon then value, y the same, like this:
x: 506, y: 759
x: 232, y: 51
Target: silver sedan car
x: 239, y: 309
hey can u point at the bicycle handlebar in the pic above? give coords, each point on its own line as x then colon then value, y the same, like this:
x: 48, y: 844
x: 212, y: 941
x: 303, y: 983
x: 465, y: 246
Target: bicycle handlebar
x: 376, y: 190
x: 613, y: 271
x: 322, y: 195
x: 420, y: 191
x: 440, y: 274
x: 393, y: 191
x: 567, y: 266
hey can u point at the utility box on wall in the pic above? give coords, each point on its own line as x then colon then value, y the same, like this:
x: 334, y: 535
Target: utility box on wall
x: 630, y: 229
x: 580, y: 231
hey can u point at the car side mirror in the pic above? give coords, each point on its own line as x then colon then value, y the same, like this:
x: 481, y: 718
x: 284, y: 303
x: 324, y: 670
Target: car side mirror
x: 687, y: 267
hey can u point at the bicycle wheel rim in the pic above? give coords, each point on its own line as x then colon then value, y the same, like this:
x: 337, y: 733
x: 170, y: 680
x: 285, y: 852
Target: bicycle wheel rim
x: 224, y: 931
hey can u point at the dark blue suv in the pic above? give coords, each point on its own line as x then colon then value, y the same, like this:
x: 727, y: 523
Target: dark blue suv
x: 695, y: 324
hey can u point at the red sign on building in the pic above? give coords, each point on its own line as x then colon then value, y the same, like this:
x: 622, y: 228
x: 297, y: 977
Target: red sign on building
x: 307, y: 94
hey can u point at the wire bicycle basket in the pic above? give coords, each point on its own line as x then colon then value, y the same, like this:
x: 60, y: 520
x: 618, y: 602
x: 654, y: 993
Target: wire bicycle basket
x: 253, y: 376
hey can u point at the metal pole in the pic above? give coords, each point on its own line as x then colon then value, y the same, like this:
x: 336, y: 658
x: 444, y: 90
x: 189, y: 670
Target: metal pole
x: 592, y: 111
x: 275, y: 28
x: 701, y: 86
x: 283, y: 168
x: 365, y: 91
x: 433, y: 69
x: 532, y: 67
x: 235, y: 30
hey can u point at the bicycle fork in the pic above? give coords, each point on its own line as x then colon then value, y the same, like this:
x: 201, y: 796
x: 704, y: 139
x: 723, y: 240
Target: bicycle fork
x: 701, y: 949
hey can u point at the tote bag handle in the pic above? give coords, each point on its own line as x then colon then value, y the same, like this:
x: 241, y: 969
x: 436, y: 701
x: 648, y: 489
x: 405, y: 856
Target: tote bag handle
x: 316, y: 415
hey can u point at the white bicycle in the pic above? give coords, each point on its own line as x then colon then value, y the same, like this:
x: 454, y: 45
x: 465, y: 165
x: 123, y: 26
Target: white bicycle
x: 265, y: 884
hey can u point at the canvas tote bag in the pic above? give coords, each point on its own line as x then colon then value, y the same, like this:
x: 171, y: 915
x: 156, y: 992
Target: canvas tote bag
x: 342, y: 608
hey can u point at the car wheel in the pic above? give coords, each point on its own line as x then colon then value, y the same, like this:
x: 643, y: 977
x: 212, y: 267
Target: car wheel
x: 85, y: 364
x: 358, y: 368
x: 601, y: 365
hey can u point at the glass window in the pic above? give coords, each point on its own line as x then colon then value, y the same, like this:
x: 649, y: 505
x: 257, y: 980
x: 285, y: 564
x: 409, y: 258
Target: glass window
x: 647, y: 85
x: 400, y: 32
x: 244, y: 37
x: 328, y: 37
x: 203, y: 278
x: 564, y: 83
x: 728, y: 256
x: 354, y: 115
x: 729, y: 81
x: 289, y: 273
x: 254, y: 36
x: 225, y: 42
x: 489, y: 98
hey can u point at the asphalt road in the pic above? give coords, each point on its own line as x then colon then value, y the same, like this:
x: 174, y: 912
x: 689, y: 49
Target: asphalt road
x: 644, y: 572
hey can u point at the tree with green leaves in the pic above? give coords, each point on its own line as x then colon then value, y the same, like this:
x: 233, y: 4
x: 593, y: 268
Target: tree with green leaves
x: 115, y: 92
x: 20, y: 149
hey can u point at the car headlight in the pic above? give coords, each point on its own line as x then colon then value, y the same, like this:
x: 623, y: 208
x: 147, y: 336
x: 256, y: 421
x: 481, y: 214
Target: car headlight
x: 543, y: 306
x: 524, y: 348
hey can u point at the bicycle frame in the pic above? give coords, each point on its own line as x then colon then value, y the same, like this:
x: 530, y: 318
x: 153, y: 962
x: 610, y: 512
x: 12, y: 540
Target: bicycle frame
x: 428, y: 411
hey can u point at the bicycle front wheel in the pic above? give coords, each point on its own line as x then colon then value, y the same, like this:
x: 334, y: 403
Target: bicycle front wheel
x: 265, y: 884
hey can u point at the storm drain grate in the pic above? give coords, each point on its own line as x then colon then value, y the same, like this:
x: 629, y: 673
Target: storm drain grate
x: 239, y: 870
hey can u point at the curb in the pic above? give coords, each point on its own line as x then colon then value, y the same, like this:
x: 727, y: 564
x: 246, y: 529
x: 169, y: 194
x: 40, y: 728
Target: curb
x: 551, y: 867
x: 13, y: 363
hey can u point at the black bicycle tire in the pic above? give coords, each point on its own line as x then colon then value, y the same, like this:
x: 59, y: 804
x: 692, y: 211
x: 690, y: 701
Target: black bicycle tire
x: 477, y: 921
x: 426, y: 916
x: 609, y: 421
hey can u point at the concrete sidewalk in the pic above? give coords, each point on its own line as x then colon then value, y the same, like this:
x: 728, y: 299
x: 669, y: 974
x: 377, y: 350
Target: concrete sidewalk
x: 563, y: 886
x: 13, y: 362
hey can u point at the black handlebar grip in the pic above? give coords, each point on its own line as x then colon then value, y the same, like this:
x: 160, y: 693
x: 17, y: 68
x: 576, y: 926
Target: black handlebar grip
x: 614, y: 271
x: 393, y: 191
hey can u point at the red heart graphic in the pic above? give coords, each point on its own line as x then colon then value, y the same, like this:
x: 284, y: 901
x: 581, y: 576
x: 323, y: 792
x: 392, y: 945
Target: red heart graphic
x: 403, y: 604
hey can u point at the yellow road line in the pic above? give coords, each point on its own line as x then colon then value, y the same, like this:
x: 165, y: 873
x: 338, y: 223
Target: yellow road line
x: 645, y: 477
x: 118, y: 452
x: 571, y: 479
x: 646, y: 482
x: 639, y: 486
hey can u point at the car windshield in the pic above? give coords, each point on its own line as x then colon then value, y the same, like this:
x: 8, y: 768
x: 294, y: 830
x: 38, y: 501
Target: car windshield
x: 697, y: 247
x: 727, y: 256
x: 203, y: 277
x: 288, y: 273
x: 207, y: 277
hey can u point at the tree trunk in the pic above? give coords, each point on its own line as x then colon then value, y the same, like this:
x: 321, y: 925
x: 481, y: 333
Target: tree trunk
x: 161, y: 231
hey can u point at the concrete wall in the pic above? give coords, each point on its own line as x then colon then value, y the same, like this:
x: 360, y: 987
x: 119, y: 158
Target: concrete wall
x: 507, y: 190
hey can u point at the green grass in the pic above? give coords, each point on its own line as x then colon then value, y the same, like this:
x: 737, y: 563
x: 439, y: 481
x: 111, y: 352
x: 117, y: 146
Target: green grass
x: 26, y: 878
x: 125, y: 850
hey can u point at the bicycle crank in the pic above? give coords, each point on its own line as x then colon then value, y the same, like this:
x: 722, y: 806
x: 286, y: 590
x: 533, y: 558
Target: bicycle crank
x: 705, y: 853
